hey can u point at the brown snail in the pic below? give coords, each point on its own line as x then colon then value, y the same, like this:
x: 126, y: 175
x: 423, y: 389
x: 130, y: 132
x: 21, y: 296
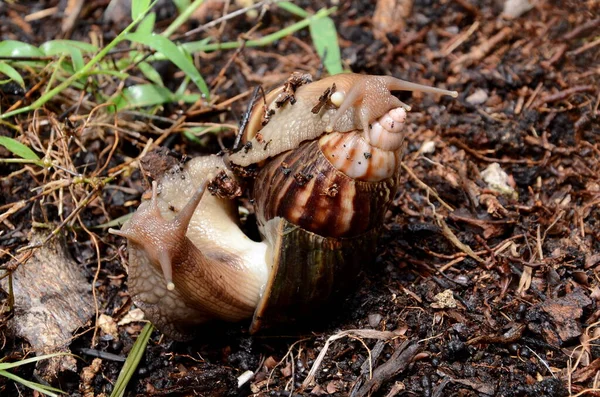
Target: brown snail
x: 328, y: 154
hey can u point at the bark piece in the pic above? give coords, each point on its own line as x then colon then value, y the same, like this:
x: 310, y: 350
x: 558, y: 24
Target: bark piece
x: 52, y: 299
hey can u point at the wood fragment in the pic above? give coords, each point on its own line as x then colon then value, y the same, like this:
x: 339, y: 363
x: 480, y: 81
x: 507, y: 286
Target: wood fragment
x: 423, y: 185
x: 71, y: 14
x: 585, y: 373
x: 447, y: 232
x: 581, y: 29
x: 470, y: 8
x: 399, y: 361
x: 585, y: 47
x: 559, y: 96
x: 480, y: 51
x: 512, y: 335
x: 34, y: 16
x: 390, y: 16
x: 461, y: 38
x: 358, y: 333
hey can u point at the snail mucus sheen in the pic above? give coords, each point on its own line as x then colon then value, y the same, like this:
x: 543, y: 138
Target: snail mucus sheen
x: 325, y: 159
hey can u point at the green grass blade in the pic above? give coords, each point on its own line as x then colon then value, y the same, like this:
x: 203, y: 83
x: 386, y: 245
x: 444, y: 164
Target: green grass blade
x: 18, y: 149
x: 47, y: 390
x: 79, y: 74
x: 174, y: 54
x: 182, y: 18
x: 198, y: 46
x: 150, y: 73
x: 325, y: 40
x: 147, y: 24
x: 293, y: 8
x: 12, y: 73
x: 13, y: 48
x: 117, y: 222
x: 130, y: 366
x: 138, y: 8
x: 4, y: 366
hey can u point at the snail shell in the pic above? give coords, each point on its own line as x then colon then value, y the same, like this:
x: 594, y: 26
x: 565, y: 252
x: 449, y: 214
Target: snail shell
x: 328, y: 154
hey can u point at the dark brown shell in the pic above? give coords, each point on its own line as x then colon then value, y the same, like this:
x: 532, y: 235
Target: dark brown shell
x: 322, y: 227
x: 303, y: 187
x: 309, y: 271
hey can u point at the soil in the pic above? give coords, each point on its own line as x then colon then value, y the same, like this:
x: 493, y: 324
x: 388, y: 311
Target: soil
x: 480, y: 288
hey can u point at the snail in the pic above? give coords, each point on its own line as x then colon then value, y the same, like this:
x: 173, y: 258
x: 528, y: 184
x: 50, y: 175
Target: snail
x: 325, y: 158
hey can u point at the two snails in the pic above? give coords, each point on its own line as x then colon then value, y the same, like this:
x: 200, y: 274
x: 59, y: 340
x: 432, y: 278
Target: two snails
x: 324, y: 157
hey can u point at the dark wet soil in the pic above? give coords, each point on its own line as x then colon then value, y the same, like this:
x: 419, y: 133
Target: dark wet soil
x: 516, y: 316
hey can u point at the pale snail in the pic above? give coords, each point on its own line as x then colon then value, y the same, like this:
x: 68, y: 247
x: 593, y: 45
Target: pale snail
x: 328, y: 155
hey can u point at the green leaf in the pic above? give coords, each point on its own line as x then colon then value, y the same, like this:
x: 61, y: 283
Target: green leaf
x: 182, y: 5
x: 185, y: 15
x: 12, y: 73
x: 147, y: 24
x: 143, y: 95
x: 65, y: 46
x: 150, y: 73
x: 58, y: 47
x: 13, y: 48
x: 130, y: 366
x: 325, y: 40
x: 18, y: 149
x: 173, y: 53
x: 138, y: 7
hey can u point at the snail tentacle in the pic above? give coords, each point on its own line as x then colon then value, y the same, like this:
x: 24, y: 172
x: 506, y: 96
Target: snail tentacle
x: 150, y: 230
x: 396, y: 84
x: 348, y: 100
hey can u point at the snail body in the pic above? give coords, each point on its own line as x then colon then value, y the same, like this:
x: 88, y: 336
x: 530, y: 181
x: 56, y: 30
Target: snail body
x: 328, y: 154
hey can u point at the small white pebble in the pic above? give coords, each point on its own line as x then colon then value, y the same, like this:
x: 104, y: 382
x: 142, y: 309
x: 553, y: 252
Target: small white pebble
x: 478, y: 97
x: 516, y: 8
x: 374, y: 319
x: 427, y: 147
x: 497, y: 180
x: 444, y: 300
x: 245, y: 377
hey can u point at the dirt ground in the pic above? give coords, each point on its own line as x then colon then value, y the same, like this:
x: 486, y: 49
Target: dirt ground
x: 487, y: 281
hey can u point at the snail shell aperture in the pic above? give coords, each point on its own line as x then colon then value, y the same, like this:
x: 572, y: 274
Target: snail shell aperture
x: 328, y: 155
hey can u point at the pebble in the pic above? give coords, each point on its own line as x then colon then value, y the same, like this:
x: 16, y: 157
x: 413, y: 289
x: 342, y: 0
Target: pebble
x: 374, y: 319
x: 478, y: 97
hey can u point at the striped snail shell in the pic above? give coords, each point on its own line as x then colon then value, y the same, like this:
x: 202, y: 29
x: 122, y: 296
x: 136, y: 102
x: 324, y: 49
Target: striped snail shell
x: 334, y: 152
x: 328, y: 155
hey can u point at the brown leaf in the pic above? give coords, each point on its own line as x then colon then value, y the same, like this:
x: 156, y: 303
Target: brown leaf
x: 566, y: 311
